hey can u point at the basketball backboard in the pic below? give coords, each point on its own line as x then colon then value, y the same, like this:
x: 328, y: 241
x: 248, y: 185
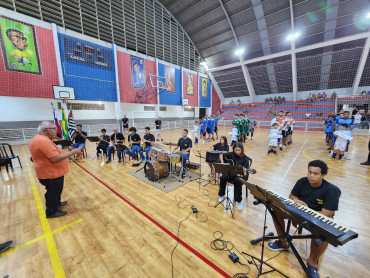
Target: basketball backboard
x: 62, y: 92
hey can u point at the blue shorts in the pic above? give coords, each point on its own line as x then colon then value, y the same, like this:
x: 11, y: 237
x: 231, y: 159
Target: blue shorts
x: 202, y: 131
x: 78, y: 145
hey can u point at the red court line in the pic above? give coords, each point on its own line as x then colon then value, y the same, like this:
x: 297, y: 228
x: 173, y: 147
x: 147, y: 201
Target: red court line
x: 196, y: 253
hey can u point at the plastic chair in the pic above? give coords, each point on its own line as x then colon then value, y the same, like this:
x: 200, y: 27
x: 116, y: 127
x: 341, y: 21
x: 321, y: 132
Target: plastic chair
x: 7, y: 154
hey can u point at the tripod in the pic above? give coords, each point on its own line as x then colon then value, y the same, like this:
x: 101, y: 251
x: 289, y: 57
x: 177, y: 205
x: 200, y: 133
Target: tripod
x: 200, y: 180
x: 229, y: 170
x: 273, y: 205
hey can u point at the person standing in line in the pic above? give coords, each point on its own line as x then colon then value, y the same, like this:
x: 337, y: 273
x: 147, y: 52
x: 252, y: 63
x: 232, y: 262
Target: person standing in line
x: 158, y: 127
x: 125, y: 123
x: 51, y: 165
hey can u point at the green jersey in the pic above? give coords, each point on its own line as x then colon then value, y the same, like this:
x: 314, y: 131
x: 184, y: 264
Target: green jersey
x: 237, y: 123
x: 243, y: 128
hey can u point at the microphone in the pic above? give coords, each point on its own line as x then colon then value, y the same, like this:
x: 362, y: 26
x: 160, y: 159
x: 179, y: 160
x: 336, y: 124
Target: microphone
x: 255, y: 241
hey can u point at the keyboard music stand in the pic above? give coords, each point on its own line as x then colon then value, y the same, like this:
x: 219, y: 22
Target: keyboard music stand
x: 272, y: 203
x: 229, y: 170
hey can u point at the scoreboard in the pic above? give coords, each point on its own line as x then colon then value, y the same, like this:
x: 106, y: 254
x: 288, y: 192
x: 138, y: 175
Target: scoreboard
x: 84, y: 52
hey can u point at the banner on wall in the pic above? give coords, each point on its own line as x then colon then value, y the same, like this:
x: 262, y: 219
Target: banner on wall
x: 19, y: 46
x: 137, y: 72
x: 204, y: 87
x: 189, y: 84
x: 170, y: 78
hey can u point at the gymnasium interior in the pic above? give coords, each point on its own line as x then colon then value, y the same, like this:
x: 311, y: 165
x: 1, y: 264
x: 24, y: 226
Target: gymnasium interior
x: 181, y: 70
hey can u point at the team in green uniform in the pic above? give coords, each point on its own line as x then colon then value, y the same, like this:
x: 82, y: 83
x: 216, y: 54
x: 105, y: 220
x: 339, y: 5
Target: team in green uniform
x: 236, y: 121
x: 242, y: 124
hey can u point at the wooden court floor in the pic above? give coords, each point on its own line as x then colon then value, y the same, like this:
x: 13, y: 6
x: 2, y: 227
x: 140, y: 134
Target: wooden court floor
x: 119, y: 226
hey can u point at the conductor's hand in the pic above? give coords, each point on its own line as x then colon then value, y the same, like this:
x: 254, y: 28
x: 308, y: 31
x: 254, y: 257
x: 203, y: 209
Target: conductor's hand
x: 77, y: 150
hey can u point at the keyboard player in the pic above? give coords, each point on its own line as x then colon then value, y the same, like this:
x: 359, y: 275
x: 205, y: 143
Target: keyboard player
x: 318, y: 194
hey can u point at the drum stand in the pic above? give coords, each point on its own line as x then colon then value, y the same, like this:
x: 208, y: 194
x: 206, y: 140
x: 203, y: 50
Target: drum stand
x: 200, y: 180
x: 170, y: 172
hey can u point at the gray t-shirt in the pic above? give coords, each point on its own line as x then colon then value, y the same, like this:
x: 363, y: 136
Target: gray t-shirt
x: 252, y: 123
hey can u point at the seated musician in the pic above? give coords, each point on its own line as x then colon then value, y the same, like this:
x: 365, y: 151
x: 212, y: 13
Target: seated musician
x: 221, y: 147
x: 148, y: 140
x: 80, y: 139
x: 318, y: 194
x: 236, y: 157
x: 56, y: 139
x: 115, y: 138
x: 185, y: 144
x: 135, y: 141
x: 103, y: 143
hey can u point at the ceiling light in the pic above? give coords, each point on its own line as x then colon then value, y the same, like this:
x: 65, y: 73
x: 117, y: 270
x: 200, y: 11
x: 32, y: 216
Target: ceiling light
x: 293, y: 36
x: 368, y: 15
x: 204, y: 65
x: 239, y: 51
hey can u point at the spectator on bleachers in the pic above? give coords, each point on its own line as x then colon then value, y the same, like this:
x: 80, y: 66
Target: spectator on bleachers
x: 279, y: 100
x: 314, y: 97
x: 270, y: 100
x: 238, y: 101
x: 301, y: 102
x: 324, y: 96
x: 266, y: 100
x: 232, y: 102
x: 283, y: 100
x: 307, y: 115
x: 333, y: 95
x: 363, y: 93
x: 319, y: 97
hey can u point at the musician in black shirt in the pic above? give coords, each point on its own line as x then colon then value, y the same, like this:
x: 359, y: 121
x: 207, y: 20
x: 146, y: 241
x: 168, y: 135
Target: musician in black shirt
x: 158, y: 127
x: 135, y: 141
x: 116, y: 138
x: 237, y: 157
x: 148, y: 140
x: 318, y: 194
x: 221, y: 147
x: 185, y: 144
x: 124, y: 123
x: 103, y: 143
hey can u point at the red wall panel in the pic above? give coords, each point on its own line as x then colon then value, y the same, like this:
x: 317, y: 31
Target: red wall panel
x: 193, y: 100
x: 216, y: 102
x: 19, y: 84
x: 124, y: 76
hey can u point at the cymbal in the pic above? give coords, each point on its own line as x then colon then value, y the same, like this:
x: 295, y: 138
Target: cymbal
x: 182, y: 152
x: 170, y: 144
x: 158, y: 146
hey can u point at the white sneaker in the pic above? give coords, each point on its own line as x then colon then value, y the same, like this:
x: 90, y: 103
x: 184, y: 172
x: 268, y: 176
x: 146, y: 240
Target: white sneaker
x: 221, y: 198
x: 331, y: 153
x: 284, y: 147
x: 347, y: 157
x: 239, y: 206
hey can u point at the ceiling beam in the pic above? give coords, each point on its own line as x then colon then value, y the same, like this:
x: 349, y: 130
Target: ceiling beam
x: 296, y: 50
x: 361, y: 66
x: 246, y: 74
x: 294, y: 60
x: 188, y: 8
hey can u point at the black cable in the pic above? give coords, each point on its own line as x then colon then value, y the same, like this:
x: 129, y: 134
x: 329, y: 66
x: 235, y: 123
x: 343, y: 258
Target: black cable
x: 223, y: 245
x: 205, y: 193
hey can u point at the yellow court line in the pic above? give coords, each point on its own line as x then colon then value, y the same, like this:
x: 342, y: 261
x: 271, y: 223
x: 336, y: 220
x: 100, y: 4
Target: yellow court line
x: 304, y: 153
x: 50, y: 243
x: 11, y: 250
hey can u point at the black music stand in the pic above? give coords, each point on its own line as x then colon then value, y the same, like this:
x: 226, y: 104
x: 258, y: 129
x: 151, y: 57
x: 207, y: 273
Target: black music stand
x: 271, y: 203
x: 230, y: 170
x: 200, y: 180
x: 122, y: 148
x: 93, y: 139
x: 64, y: 143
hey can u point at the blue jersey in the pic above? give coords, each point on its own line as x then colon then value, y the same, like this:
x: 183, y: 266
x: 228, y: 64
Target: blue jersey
x: 211, y: 123
x: 345, y: 121
x: 203, y: 125
x: 328, y: 126
x: 336, y: 119
x: 216, y: 120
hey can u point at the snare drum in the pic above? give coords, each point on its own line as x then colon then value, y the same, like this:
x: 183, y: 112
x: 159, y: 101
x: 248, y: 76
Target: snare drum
x: 162, y: 155
x: 175, y: 158
x: 154, y: 170
x: 153, y: 153
x: 212, y: 157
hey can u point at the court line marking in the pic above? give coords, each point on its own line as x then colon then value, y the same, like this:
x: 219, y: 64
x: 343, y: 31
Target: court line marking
x: 11, y: 250
x: 291, y: 164
x: 196, y: 253
x: 363, y: 138
x: 49, y: 239
x: 345, y: 171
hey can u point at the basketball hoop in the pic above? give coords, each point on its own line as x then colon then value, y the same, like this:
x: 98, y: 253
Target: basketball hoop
x: 65, y: 99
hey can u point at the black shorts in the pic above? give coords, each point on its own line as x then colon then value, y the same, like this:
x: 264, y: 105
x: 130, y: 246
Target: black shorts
x: 125, y: 126
x: 285, y: 133
x: 204, y: 133
x: 289, y: 130
x: 215, y: 130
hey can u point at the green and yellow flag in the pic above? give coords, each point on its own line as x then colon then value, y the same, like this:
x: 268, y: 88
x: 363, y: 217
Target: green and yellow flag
x: 64, y: 125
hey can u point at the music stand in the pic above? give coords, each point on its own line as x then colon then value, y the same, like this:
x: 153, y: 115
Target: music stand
x: 122, y: 148
x: 64, y: 143
x: 273, y: 203
x: 200, y: 180
x: 93, y: 139
x: 229, y: 170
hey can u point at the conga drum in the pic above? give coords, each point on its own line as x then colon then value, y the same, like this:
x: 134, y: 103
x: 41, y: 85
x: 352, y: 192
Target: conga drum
x: 212, y: 157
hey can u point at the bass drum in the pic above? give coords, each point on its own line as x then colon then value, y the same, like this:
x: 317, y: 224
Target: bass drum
x: 155, y: 170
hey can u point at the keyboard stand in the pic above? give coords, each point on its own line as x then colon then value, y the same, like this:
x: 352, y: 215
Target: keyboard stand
x: 272, y: 203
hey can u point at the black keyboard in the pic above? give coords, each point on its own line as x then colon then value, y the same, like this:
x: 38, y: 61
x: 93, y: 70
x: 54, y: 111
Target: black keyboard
x: 318, y: 224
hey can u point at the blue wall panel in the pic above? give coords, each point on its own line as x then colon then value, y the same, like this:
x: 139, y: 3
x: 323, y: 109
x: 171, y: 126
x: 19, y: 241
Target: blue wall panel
x: 91, y: 82
x: 205, y: 101
x: 167, y: 97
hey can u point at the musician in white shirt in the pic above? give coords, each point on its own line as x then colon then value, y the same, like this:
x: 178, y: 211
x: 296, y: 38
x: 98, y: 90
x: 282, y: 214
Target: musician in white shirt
x: 316, y: 193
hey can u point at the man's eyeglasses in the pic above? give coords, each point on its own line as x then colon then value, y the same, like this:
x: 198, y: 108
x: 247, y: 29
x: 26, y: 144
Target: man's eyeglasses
x: 51, y: 128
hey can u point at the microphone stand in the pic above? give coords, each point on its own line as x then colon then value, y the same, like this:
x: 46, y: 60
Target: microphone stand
x: 200, y: 180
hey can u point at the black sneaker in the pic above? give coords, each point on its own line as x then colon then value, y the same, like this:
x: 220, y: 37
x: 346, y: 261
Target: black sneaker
x: 281, y: 148
x: 5, y: 245
x: 63, y: 203
x: 59, y: 213
x: 119, y: 161
x: 108, y: 161
x: 365, y: 163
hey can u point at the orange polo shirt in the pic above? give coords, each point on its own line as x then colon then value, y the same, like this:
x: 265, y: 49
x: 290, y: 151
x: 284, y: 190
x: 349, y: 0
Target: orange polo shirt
x: 42, y: 148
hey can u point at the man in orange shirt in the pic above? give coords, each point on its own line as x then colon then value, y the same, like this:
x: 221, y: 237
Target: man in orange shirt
x: 51, y: 164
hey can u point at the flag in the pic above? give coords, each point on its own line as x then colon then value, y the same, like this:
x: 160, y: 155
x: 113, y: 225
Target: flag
x: 71, y: 124
x: 64, y: 125
x: 56, y: 122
